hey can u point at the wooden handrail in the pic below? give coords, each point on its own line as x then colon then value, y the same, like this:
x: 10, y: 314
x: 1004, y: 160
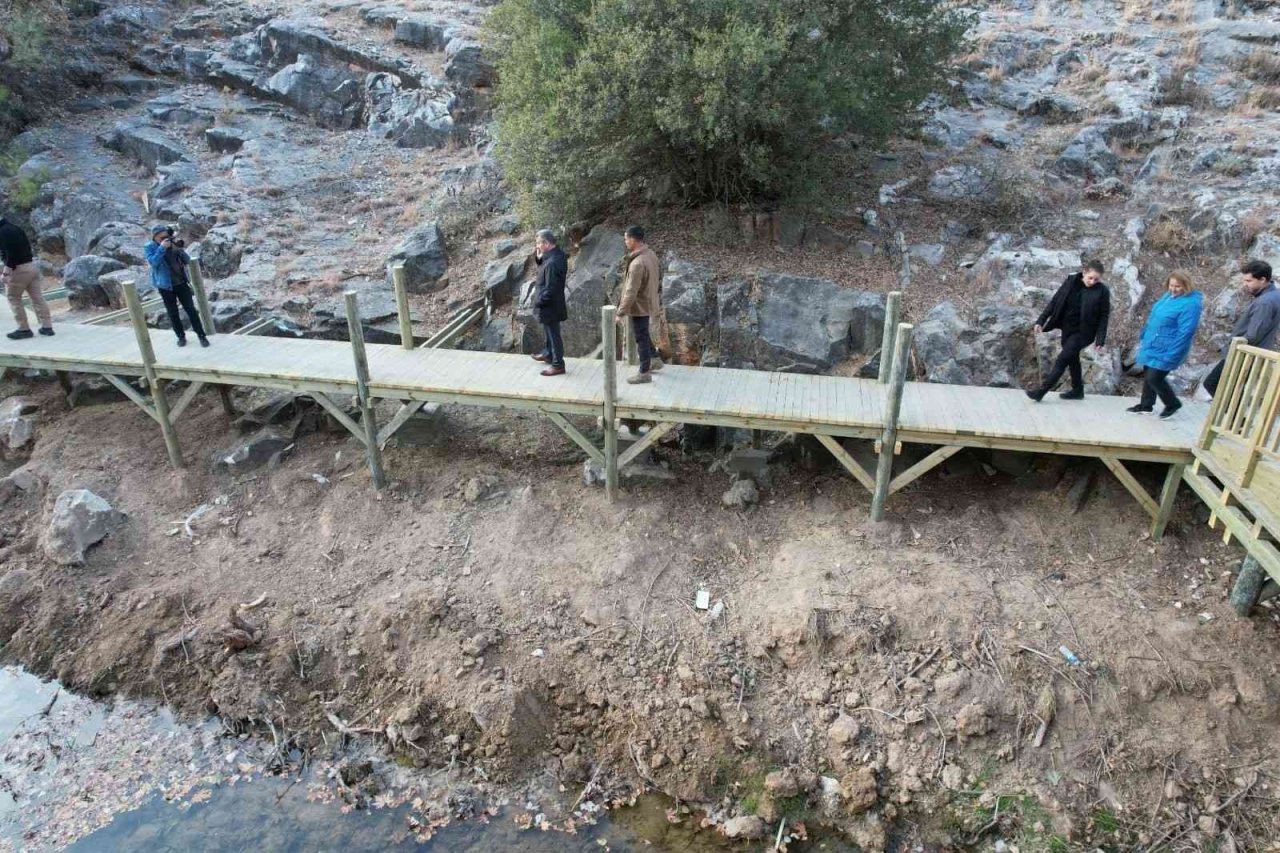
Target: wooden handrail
x: 1247, y: 404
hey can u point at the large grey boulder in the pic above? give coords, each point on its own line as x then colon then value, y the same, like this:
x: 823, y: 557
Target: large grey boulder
x: 997, y: 350
x: 148, y: 146
x: 17, y: 424
x: 88, y: 209
x: 955, y: 183
x: 422, y: 32
x: 80, y: 277
x: 423, y: 255
x: 412, y: 118
x: 220, y: 252
x: 686, y: 294
x: 786, y: 322
x: 80, y: 519
x: 467, y: 66
x: 594, y: 275
x: 1088, y: 155
x: 331, y: 97
x: 284, y: 42
x: 123, y: 241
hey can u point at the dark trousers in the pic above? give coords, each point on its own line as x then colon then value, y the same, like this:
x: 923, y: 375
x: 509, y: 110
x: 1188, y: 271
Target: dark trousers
x: 181, y: 295
x: 1068, y: 360
x: 1214, y: 376
x: 1157, y: 385
x: 644, y: 344
x: 554, y: 348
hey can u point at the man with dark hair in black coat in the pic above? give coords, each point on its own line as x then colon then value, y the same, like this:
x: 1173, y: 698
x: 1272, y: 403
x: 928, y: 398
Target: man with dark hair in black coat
x: 548, y: 300
x: 1081, y: 309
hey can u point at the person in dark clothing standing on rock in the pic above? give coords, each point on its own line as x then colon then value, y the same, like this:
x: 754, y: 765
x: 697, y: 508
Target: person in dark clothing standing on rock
x: 639, y: 300
x: 21, y: 275
x: 1260, y: 322
x: 169, y: 275
x: 1081, y: 309
x: 548, y: 300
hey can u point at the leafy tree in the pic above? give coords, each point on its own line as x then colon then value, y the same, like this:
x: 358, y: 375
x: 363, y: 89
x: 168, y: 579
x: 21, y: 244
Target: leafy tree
x: 701, y: 100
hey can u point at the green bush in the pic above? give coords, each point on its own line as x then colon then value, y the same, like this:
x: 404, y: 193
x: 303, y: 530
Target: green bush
x: 27, y: 34
x: 24, y: 192
x: 701, y: 100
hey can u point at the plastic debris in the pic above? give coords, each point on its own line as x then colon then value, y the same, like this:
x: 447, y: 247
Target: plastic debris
x: 1069, y: 655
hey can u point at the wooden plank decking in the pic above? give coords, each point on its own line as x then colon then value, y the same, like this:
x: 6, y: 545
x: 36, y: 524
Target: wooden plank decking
x: 931, y: 414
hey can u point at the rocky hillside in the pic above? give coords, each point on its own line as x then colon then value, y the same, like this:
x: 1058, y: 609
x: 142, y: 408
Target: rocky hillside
x: 302, y: 146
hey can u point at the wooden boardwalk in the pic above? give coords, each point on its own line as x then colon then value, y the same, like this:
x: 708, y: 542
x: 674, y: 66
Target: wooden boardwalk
x: 889, y: 411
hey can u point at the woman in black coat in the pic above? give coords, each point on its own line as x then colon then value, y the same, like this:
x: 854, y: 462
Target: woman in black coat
x: 1081, y: 309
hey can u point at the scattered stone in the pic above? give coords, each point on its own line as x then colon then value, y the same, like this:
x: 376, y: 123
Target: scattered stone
x: 146, y: 145
x: 859, y: 790
x: 781, y: 783
x: 265, y: 447
x: 844, y: 730
x: 17, y: 423
x: 220, y: 252
x: 742, y: 494
x: 749, y: 827
x: 974, y: 720
x: 80, y: 519
x: 226, y: 140
x: 956, y: 183
x: 80, y: 278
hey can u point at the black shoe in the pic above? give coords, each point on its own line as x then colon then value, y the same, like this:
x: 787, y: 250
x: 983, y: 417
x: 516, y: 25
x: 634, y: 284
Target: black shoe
x: 1170, y: 411
x: 21, y: 334
x: 47, y: 331
x: 182, y: 342
x: 1139, y: 410
x: 1036, y: 395
x: 204, y: 342
x: 1072, y: 395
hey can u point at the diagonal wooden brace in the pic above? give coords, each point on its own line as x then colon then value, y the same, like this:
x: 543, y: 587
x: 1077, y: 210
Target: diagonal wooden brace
x: 185, y: 400
x: 1135, y: 488
x: 851, y: 465
x: 925, y: 465
x: 656, y: 432
x: 338, y: 415
x: 1172, y: 479
x: 401, y: 418
x: 132, y: 393
x: 578, y: 438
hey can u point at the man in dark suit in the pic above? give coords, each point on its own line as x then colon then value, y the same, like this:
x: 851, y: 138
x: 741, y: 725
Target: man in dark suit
x: 1081, y: 309
x: 548, y: 300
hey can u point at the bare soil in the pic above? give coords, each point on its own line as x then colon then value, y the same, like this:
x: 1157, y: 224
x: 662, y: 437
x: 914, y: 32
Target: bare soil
x: 491, y: 613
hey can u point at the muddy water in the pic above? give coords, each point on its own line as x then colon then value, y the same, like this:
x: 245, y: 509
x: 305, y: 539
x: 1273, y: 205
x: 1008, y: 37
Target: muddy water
x: 84, y: 776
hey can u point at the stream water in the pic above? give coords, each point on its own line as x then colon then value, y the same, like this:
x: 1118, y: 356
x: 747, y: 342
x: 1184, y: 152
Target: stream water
x: 85, y: 776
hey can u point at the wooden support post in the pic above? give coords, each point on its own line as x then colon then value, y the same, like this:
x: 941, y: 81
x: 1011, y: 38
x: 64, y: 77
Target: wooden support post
x: 402, y: 305
x: 202, y: 297
x: 1248, y: 586
x: 608, y: 334
x: 757, y: 439
x: 224, y: 394
x: 904, y: 254
x: 1168, y: 495
x: 64, y: 381
x: 159, y: 402
x: 897, y: 382
x: 362, y: 390
x: 892, y: 308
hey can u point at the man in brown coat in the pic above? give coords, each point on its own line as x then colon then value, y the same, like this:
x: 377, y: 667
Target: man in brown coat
x: 639, y: 300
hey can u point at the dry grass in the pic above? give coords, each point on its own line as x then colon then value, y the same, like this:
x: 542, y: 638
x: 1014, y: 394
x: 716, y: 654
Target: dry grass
x: 1168, y: 236
x: 1180, y: 89
x: 1265, y: 98
x: 1261, y: 66
x: 1252, y: 226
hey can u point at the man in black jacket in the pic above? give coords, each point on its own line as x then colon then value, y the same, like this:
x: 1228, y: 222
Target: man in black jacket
x: 548, y: 300
x: 22, y: 276
x: 1081, y: 309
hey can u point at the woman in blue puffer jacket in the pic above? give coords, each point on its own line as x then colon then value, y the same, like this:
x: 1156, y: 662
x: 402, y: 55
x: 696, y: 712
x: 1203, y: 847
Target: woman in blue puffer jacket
x: 1166, y: 340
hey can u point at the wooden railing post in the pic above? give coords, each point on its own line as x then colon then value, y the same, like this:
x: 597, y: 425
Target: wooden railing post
x: 893, y: 406
x: 892, y: 308
x: 367, y: 418
x: 402, y: 305
x: 1261, y: 427
x: 158, y: 399
x: 1226, y: 383
x: 608, y: 335
x: 202, y: 296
